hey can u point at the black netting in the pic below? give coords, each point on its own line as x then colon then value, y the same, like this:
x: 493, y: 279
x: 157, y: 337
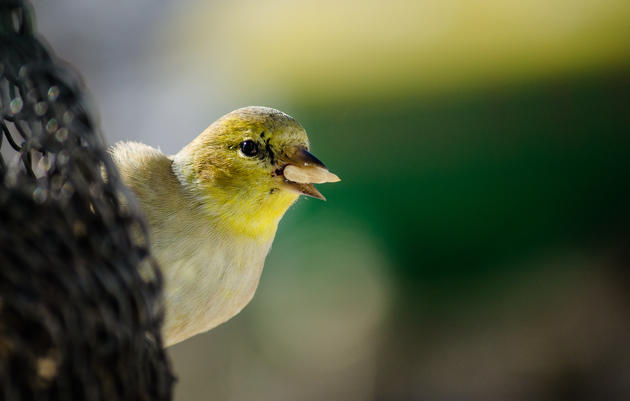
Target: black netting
x: 80, y: 306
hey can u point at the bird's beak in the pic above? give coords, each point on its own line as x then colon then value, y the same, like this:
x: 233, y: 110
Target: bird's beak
x: 301, y: 170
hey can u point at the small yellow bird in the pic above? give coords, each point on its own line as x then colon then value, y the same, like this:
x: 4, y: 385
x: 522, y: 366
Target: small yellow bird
x: 214, y: 207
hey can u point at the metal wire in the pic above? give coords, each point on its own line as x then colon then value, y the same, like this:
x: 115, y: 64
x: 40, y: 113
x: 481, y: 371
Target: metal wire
x: 80, y: 295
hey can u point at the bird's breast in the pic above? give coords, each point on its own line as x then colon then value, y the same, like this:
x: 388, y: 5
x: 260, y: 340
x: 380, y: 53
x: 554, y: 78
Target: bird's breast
x: 209, y: 278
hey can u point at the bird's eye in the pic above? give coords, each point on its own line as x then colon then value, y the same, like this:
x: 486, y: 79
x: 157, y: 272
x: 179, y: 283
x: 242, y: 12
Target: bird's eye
x: 249, y: 148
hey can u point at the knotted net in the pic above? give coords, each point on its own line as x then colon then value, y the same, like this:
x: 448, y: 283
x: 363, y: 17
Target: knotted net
x: 80, y: 295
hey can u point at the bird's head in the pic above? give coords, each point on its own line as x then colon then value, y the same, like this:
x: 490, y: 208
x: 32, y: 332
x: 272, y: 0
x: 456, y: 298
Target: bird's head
x: 249, y: 166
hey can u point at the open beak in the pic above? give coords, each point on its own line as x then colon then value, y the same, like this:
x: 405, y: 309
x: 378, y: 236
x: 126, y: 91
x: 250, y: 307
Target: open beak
x: 302, y: 170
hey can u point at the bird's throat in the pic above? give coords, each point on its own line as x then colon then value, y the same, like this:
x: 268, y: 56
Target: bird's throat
x: 251, y: 216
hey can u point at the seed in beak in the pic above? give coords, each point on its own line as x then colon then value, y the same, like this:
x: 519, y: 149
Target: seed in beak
x: 309, y: 174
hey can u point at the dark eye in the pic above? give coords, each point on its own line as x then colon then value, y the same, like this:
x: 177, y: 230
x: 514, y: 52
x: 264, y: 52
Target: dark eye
x: 249, y: 148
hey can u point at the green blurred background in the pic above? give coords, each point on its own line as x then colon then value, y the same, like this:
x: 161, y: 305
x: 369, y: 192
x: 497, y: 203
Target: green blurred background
x: 477, y: 247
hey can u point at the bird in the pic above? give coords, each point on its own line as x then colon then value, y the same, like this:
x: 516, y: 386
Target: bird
x: 213, y: 210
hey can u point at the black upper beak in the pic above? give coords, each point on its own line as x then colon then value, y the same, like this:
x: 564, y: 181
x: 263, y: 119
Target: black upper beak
x: 299, y: 156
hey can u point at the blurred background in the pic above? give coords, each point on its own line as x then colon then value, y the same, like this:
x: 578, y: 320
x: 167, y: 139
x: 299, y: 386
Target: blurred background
x: 477, y: 247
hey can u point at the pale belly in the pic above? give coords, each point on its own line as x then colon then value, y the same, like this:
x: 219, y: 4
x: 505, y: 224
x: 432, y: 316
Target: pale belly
x: 207, y: 282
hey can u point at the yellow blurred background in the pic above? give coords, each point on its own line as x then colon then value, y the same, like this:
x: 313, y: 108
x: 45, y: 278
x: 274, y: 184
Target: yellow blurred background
x: 477, y: 247
x: 342, y: 50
